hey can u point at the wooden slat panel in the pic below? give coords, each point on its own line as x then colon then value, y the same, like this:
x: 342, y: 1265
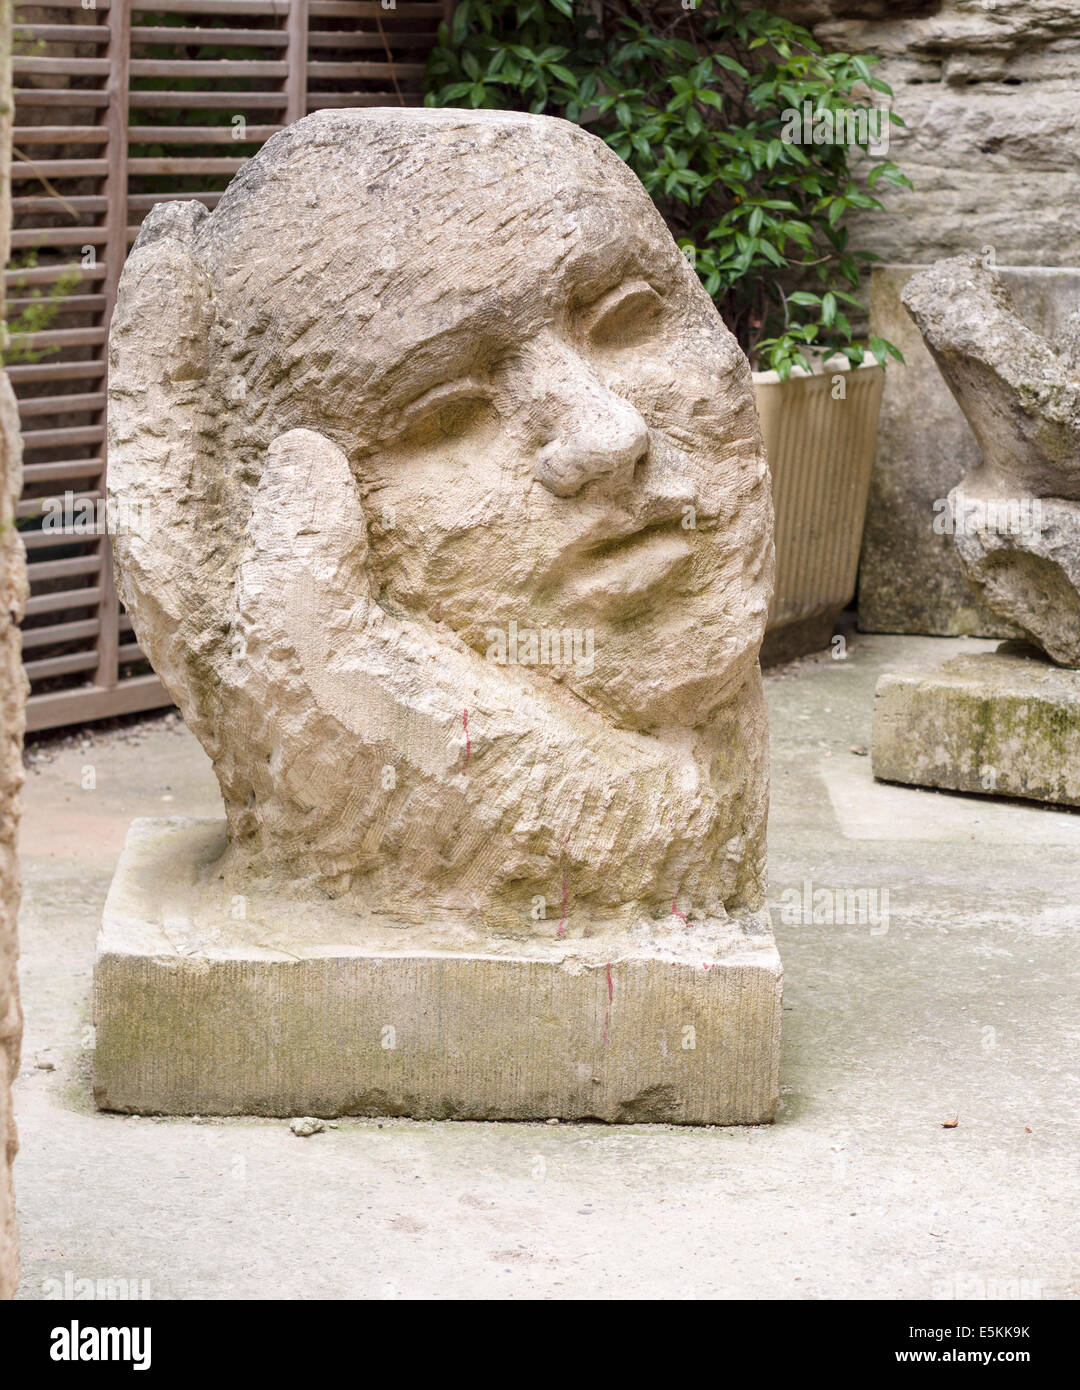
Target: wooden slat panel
x: 61, y: 405
x: 43, y: 540
x: 214, y: 101
x: 68, y: 598
x: 372, y: 9
x: 67, y: 470
x: 59, y: 135
x: 59, y: 632
x: 296, y: 83
x: 64, y: 67
x: 36, y: 506
x: 61, y: 337
x: 289, y: 48
x: 81, y: 202
x: 63, y: 569
x: 58, y: 439
x: 60, y: 665
x: 25, y: 372
x: 169, y: 164
x: 330, y: 38
x: 58, y: 168
x: 361, y: 70
x: 267, y: 9
x: 101, y: 6
x: 233, y: 38
x: 61, y: 33
x: 58, y: 96
x: 37, y: 237
x: 92, y: 702
x: 325, y: 101
x: 64, y: 304
x: 46, y: 274
x: 216, y: 68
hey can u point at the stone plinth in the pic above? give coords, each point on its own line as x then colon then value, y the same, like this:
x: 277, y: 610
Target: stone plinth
x: 1001, y: 723
x: 213, y: 1004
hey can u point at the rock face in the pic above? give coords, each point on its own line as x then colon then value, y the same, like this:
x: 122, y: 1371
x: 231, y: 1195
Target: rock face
x: 444, y: 516
x: 988, y: 90
x: 13, y: 589
x: 1016, y: 517
x: 12, y: 721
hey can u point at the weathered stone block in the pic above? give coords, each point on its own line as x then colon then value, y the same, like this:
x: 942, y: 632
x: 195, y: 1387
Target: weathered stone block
x: 210, y: 1004
x: 1002, y: 723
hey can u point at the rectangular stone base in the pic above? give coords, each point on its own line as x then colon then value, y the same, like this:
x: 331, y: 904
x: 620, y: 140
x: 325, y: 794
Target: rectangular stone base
x: 311, y: 1011
x: 1000, y: 723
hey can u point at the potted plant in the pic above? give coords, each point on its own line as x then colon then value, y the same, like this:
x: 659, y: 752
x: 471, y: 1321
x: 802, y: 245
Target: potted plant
x: 755, y: 145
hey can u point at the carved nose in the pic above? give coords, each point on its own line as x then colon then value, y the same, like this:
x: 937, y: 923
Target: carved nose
x: 597, y: 435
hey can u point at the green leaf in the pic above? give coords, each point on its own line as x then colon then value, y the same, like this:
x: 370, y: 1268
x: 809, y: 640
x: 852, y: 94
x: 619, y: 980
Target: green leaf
x: 460, y: 26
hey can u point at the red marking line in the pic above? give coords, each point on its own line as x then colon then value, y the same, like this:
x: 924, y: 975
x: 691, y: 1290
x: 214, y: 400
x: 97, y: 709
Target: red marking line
x: 674, y: 902
x: 562, y: 919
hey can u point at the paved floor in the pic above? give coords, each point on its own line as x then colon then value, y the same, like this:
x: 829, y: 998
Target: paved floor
x: 957, y: 999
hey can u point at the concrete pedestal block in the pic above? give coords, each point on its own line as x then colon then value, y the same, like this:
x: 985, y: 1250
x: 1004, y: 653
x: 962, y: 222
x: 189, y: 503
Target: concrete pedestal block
x: 1003, y: 723
x: 212, y: 1003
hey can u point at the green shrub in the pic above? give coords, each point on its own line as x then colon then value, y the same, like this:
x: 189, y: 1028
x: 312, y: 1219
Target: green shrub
x: 697, y: 100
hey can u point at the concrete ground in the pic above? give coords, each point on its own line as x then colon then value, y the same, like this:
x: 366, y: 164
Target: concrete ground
x: 958, y: 1001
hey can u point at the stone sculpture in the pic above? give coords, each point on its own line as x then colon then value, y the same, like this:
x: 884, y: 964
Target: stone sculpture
x: 450, y: 534
x: 1004, y: 722
x: 1016, y: 517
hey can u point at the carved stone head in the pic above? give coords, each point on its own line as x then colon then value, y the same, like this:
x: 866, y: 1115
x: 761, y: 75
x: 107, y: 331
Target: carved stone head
x: 458, y: 548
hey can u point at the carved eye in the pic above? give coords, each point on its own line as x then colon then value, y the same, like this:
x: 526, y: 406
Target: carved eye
x: 446, y: 412
x: 624, y: 315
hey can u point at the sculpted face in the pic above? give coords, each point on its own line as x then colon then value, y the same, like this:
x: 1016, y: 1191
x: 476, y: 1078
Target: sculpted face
x: 463, y: 540
x: 535, y: 396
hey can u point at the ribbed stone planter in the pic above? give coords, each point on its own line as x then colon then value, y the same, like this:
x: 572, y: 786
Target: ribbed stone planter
x: 820, y: 433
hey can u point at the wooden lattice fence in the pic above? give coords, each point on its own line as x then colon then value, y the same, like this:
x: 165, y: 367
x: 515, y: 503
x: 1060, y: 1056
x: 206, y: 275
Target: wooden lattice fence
x: 121, y: 104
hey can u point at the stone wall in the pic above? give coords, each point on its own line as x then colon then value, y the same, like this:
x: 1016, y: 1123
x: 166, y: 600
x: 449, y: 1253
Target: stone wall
x: 12, y: 715
x: 989, y: 90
